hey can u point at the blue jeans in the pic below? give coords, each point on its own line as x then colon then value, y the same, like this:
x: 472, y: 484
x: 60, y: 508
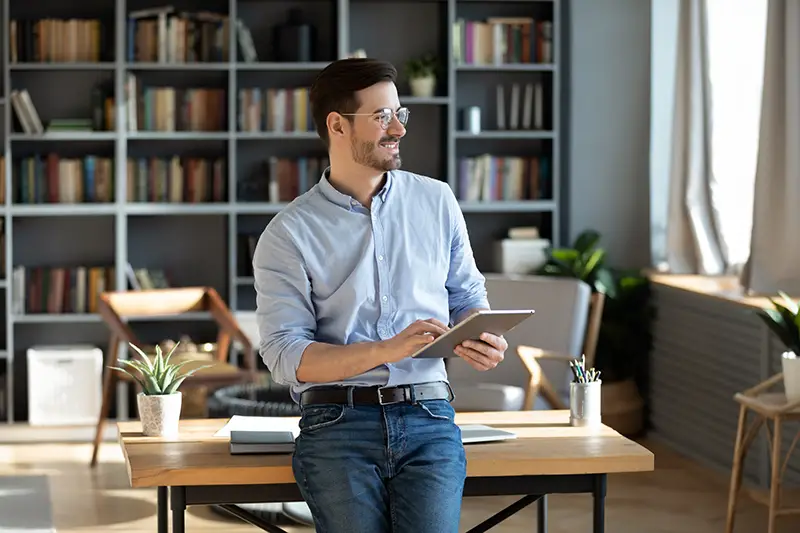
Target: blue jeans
x: 370, y: 469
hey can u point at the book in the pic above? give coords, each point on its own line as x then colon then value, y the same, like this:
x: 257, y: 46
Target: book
x: 260, y: 434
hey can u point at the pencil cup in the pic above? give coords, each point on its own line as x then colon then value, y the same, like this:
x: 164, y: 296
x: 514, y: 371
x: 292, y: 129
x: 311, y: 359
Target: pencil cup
x: 584, y: 404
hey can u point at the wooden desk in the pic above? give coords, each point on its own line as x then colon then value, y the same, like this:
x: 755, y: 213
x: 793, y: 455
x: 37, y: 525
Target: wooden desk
x: 548, y: 457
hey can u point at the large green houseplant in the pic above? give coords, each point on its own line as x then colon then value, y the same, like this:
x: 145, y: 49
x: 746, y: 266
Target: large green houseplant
x: 625, y: 337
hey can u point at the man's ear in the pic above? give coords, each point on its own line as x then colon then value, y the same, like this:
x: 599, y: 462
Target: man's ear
x: 336, y: 124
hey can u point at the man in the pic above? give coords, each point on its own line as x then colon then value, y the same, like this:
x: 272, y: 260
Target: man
x: 351, y: 278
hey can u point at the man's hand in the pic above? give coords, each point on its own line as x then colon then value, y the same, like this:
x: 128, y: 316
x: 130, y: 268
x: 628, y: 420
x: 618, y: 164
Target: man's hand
x: 411, y: 339
x: 483, y: 354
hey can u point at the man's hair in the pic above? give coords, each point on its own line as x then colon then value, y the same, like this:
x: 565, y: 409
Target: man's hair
x: 336, y: 85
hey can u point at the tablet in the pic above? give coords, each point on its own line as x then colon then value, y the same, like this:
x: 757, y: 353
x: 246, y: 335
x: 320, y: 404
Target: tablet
x: 494, y: 322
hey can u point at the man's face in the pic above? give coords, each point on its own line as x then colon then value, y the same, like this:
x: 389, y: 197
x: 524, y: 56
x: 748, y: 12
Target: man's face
x: 371, y: 145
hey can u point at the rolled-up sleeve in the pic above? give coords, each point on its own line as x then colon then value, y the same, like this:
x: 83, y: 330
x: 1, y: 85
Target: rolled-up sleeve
x: 465, y: 283
x: 284, y: 310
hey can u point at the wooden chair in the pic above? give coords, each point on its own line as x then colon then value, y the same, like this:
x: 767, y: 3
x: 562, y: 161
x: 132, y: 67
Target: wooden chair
x: 766, y: 406
x: 113, y: 307
x: 539, y: 384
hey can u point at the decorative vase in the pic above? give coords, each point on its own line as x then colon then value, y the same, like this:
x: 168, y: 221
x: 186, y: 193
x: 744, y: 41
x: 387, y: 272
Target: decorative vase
x: 159, y: 414
x: 790, y: 363
x: 423, y: 87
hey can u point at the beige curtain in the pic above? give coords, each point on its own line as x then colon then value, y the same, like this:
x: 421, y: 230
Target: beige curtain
x: 692, y: 243
x: 774, y: 262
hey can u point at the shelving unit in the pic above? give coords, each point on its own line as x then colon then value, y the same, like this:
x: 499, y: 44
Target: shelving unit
x: 202, y: 243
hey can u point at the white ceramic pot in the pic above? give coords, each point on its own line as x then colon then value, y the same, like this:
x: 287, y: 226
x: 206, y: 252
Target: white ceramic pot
x: 423, y: 87
x: 159, y: 414
x: 791, y: 375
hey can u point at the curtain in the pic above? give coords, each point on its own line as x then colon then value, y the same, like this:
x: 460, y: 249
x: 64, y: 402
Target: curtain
x: 774, y: 262
x: 692, y: 242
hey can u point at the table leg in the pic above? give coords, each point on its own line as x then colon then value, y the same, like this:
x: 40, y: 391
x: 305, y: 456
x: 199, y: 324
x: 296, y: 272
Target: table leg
x: 541, y: 514
x: 162, y: 507
x: 599, y: 503
x: 178, y: 501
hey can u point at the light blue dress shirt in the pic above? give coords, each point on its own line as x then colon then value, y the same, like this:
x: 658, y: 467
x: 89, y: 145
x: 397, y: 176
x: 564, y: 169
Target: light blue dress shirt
x: 328, y: 269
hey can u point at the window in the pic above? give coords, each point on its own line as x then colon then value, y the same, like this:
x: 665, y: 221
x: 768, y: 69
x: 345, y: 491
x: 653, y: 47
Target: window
x: 736, y: 39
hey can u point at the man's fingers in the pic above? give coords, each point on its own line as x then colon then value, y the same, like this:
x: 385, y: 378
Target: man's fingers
x: 475, y: 358
x: 430, y: 326
x: 484, y: 349
x: 496, y: 341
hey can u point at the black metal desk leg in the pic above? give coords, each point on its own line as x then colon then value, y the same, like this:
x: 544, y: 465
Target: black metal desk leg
x: 163, y: 506
x: 599, y: 504
x: 541, y: 514
x: 178, y: 500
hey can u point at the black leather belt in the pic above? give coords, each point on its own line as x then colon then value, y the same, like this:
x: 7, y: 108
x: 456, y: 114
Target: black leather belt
x: 437, y: 390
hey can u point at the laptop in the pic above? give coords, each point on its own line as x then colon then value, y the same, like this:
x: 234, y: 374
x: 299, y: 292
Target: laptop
x: 476, y: 433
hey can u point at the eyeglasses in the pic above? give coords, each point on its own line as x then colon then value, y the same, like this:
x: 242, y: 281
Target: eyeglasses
x: 385, y: 116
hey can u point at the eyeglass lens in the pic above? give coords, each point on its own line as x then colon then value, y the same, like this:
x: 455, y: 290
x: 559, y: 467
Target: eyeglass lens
x: 402, y: 116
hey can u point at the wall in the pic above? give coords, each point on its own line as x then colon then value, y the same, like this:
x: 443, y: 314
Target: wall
x: 609, y: 125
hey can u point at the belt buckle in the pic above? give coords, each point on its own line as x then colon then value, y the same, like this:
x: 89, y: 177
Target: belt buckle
x: 381, y: 401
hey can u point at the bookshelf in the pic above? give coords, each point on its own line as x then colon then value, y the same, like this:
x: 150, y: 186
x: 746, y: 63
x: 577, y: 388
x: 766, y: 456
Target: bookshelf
x: 159, y: 157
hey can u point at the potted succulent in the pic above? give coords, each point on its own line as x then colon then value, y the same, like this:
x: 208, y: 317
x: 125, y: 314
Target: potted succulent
x: 625, y: 337
x: 159, y: 401
x: 422, y: 75
x: 784, y: 322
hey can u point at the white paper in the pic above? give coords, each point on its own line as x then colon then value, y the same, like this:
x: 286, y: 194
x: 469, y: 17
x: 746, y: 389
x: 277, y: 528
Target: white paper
x: 259, y: 423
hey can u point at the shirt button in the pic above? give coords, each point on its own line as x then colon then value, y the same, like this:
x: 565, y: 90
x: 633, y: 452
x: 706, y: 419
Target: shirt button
x: 380, y: 258
x: 385, y: 298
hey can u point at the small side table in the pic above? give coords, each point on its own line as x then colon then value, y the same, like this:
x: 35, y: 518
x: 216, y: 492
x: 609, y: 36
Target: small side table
x: 767, y: 406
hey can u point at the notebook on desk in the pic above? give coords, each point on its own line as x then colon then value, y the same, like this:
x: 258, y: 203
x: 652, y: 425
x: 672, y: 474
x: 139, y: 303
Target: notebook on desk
x: 267, y: 434
x: 260, y: 434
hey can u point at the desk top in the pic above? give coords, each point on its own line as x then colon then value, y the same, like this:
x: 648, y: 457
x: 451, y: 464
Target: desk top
x: 545, y: 444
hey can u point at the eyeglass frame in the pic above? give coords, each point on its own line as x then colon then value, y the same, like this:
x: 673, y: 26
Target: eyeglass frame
x: 383, y: 122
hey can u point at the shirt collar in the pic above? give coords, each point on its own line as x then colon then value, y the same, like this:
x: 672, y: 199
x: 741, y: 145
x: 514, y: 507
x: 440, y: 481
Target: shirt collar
x: 345, y: 200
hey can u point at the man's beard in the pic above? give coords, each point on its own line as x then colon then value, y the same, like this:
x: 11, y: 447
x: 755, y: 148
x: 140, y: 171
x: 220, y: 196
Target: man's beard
x: 366, y: 153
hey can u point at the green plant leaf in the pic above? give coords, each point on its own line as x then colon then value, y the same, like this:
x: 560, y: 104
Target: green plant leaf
x: 790, y: 304
x: 152, y: 385
x: 592, y: 262
x: 173, y: 387
x: 142, y: 355
x: 565, y: 256
x: 786, y: 333
x: 604, y: 282
x: 132, y: 375
x: 169, y: 355
x: 586, y: 241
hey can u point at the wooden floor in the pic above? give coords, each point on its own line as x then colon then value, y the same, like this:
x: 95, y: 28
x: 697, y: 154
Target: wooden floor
x: 678, y: 497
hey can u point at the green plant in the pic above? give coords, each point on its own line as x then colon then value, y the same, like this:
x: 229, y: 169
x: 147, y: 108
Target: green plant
x: 625, y: 336
x: 784, y: 321
x: 157, y: 376
x: 422, y: 67
x: 584, y: 261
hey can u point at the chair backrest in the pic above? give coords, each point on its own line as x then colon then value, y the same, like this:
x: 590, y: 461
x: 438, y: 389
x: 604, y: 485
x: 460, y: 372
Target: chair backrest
x: 114, y: 306
x: 559, y: 324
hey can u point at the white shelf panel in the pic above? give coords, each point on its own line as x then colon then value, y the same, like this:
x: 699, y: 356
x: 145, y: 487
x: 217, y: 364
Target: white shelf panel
x: 525, y: 206
x: 179, y: 66
x: 52, y: 136
x: 62, y: 66
x: 506, y: 135
x: 177, y: 209
x: 63, y: 210
x: 508, y: 67
x: 46, y: 318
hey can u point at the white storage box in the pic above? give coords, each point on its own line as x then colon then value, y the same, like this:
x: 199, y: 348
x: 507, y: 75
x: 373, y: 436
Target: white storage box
x: 520, y: 256
x: 64, y: 385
